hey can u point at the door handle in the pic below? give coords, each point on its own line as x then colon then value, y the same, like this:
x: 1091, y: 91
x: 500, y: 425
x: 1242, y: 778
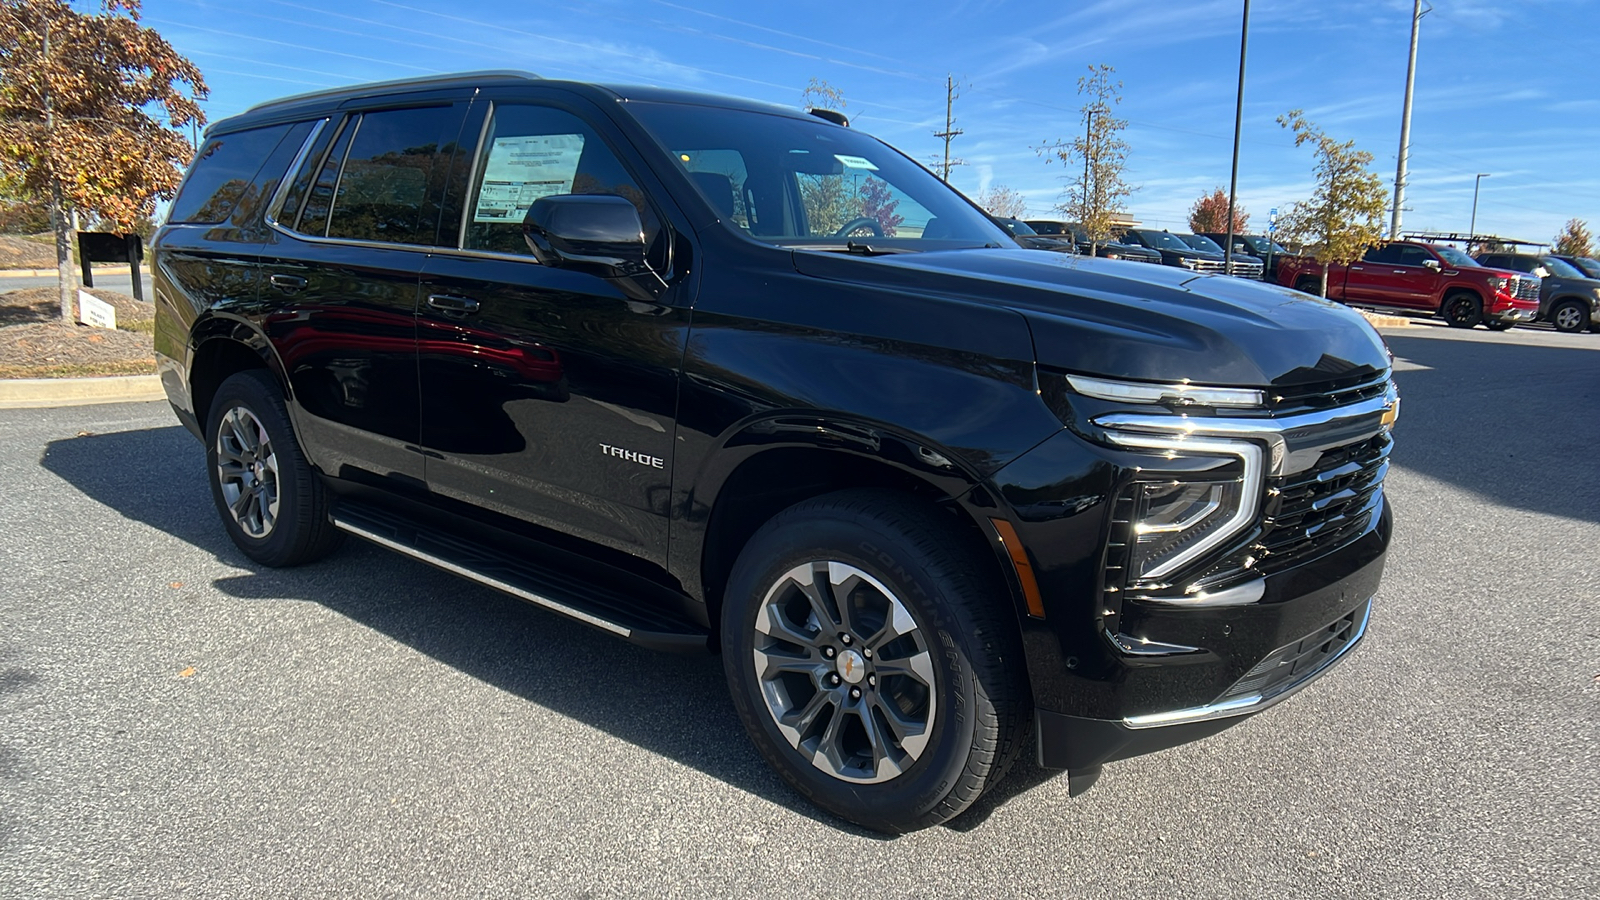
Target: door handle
x: 1399, y: 272
x: 287, y: 282
x: 1357, y: 269
x: 450, y: 303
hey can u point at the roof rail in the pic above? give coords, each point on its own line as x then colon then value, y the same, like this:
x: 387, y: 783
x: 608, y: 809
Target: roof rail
x: 395, y: 86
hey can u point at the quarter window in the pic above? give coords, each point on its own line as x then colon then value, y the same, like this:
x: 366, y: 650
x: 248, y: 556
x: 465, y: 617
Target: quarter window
x: 222, y: 173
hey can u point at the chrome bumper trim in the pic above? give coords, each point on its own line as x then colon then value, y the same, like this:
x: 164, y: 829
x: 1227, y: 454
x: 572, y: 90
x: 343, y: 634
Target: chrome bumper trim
x: 1252, y: 703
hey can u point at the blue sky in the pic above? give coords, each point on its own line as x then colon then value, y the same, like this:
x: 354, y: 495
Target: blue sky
x: 1506, y: 88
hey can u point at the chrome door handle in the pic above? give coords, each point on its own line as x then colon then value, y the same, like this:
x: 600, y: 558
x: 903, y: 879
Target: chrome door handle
x: 1357, y: 269
x: 450, y: 303
x: 287, y: 282
x: 1399, y: 272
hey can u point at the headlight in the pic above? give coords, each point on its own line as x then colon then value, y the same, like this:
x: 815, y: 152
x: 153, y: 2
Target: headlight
x: 1113, y: 256
x: 1175, y: 520
x: 1498, y: 282
x: 1170, y: 517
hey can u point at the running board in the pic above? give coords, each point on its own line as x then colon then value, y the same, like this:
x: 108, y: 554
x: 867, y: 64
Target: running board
x: 593, y: 604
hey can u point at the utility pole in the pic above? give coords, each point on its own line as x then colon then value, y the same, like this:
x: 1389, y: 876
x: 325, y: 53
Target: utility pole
x: 1417, y: 12
x: 950, y: 131
x: 1472, y: 229
x: 1238, y: 125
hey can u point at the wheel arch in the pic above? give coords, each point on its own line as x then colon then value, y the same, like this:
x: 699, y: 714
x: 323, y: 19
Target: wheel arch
x: 220, y: 346
x: 770, y: 465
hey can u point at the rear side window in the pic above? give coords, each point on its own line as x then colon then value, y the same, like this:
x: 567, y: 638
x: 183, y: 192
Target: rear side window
x: 382, y: 178
x: 222, y: 174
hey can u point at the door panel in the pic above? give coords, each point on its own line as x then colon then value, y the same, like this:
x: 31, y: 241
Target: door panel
x: 552, y: 402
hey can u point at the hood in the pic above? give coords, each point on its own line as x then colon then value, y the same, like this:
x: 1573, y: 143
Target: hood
x: 1149, y: 323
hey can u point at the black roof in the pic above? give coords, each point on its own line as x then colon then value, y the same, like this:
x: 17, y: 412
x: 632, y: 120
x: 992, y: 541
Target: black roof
x: 332, y: 98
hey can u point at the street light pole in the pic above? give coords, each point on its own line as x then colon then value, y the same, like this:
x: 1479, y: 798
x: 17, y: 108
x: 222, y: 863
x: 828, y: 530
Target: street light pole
x: 1472, y: 229
x: 1417, y: 12
x: 1238, y: 125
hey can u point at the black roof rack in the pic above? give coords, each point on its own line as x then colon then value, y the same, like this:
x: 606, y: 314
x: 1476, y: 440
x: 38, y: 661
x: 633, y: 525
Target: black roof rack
x: 399, y: 85
x: 1457, y: 237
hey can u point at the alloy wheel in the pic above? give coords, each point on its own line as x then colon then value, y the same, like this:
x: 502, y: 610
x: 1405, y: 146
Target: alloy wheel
x: 247, y: 471
x: 845, y: 671
x: 1569, y: 318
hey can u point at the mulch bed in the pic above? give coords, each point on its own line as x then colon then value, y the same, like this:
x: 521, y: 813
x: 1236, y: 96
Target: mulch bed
x: 35, y: 344
x: 20, y: 253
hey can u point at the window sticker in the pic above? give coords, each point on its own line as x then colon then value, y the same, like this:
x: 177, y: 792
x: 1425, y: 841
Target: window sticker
x: 856, y: 162
x: 522, y: 169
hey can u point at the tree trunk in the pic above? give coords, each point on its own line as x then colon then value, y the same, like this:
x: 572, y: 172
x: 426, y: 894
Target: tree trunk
x: 66, y: 277
x: 1324, y: 293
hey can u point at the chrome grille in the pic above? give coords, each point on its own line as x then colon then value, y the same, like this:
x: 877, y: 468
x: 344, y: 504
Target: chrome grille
x: 1318, y: 510
x: 1525, y: 288
x: 1244, y: 269
x: 1208, y: 266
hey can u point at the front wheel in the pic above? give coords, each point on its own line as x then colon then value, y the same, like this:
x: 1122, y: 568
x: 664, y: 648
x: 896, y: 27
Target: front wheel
x: 870, y: 661
x: 1462, y: 311
x: 271, y: 502
x: 1569, y: 316
x: 1499, y: 324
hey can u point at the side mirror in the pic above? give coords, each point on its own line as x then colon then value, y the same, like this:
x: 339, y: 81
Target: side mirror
x: 1432, y: 264
x: 596, y: 233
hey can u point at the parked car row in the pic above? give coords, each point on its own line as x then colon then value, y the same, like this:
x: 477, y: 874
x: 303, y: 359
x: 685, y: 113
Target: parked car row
x: 1196, y: 252
x: 1497, y: 290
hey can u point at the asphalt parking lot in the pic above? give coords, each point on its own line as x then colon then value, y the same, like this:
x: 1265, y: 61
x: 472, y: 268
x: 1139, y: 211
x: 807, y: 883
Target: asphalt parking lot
x: 175, y: 721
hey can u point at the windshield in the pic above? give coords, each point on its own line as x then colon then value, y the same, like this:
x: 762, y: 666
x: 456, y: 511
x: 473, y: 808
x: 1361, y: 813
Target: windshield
x: 1200, y: 242
x: 1043, y: 227
x: 1161, y: 240
x: 806, y: 182
x: 1017, y: 226
x: 1263, y: 246
x: 1455, y: 257
x: 1560, y: 268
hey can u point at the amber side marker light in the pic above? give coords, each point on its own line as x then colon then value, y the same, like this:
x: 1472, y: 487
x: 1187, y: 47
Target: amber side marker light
x: 1019, y: 561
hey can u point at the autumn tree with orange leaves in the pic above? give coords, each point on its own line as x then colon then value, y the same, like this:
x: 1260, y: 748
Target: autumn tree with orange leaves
x: 1210, y: 214
x: 81, y: 102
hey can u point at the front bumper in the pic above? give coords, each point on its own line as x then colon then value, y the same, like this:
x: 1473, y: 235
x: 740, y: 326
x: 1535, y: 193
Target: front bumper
x: 1516, y: 314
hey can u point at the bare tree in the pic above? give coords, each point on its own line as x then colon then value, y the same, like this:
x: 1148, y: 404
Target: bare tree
x: 999, y: 200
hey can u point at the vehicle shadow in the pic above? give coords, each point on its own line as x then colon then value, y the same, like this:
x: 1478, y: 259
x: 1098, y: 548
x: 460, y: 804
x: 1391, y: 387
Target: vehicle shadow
x: 675, y: 706
x: 1515, y: 423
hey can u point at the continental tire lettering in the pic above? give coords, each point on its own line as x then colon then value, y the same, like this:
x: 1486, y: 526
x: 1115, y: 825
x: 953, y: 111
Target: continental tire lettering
x: 893, y: 567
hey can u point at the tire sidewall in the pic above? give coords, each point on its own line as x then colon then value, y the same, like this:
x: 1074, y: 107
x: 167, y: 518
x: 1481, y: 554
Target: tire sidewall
x: 884, y: 556
x: 1583, y: 317
x: 249, y: 390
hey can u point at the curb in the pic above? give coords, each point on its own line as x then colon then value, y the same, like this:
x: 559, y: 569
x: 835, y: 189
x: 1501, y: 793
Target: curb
x: 36, y: 393
x: 1379, y: 320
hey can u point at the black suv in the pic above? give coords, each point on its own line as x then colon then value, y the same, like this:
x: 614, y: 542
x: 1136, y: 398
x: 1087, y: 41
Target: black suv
x: 714, y: 375
x: 1104, y: 249
x: 1568, y: 299
x: 1260, y: 246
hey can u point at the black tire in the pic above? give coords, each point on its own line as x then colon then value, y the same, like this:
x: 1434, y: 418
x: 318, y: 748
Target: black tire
x: 1499, y: 325
x: 1462, y: 310
x: 1312, y: 286
x: 974, y: 712
x: 271, y: 502
x: 1570, y: 316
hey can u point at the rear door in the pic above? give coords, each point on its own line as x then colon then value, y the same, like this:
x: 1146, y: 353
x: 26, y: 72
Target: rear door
x: 1414, y: 283
x: 340, y: 281
x: 549, y: 395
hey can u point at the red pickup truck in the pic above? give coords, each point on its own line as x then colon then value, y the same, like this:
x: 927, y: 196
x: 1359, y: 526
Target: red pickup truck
x: 1424, y: 278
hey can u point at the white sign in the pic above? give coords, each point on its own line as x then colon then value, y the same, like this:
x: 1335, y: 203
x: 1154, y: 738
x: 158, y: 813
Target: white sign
x: 856, y: 162
x: 522, y: 169
x: 96, y: 312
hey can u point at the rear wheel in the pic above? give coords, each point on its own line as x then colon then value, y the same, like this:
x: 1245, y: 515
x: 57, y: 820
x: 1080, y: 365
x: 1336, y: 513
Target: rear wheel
x: 1462, y: 310
x: 1311, y: 286
x: 1569, y: 316
x: 869, y: 661
x: 271, y: 502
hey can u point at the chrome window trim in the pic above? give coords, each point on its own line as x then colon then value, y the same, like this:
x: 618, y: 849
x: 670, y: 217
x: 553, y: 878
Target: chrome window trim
x: 1252, y: 481
x: 1251, y: 703
x: 469, y: 201
x: 275, y: 205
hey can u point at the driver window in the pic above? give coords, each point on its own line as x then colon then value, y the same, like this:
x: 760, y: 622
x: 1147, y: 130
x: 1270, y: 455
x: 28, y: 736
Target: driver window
x: 1413, y: 256
x: 530, y: 152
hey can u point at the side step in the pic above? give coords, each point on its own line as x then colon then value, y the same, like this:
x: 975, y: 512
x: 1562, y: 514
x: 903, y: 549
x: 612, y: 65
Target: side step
x: 599, y: 605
